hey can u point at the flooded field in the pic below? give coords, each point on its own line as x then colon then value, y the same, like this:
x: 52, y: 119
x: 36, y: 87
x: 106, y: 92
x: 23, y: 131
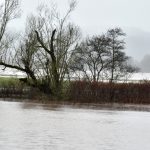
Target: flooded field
x: 25, y: 126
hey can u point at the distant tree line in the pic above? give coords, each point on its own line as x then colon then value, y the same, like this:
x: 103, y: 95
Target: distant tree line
x: 51, y: 50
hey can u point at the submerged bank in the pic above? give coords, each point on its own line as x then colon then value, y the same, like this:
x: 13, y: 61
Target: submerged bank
x: 97, y: 106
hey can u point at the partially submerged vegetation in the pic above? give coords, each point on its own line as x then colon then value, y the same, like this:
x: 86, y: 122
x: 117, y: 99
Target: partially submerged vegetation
x: 12, y: 87
x: 99, y: 92
x: 80, y: 92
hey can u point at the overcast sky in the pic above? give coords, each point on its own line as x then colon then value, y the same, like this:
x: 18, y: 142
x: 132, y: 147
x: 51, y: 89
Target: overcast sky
x: 96, y: 16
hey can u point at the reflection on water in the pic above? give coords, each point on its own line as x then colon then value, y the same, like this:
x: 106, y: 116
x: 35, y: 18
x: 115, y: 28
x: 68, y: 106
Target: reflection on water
x: 25, y: 126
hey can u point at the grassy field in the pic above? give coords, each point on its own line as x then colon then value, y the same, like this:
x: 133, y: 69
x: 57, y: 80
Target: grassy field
x: 9, y: 82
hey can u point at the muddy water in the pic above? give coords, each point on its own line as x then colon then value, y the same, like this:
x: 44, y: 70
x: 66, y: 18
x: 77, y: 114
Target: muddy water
x: 35, y: 127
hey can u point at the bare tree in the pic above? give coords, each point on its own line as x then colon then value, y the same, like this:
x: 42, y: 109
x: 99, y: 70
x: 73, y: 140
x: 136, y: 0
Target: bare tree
x: 45, y: 51
x: 9, y: 10
x: 90, y: 57
x: 58, y: 42
x: 116, y: 56
x: 118, y: 65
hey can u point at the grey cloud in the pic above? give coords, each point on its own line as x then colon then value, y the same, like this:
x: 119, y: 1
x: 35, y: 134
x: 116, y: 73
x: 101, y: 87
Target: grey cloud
x: 137, y: 43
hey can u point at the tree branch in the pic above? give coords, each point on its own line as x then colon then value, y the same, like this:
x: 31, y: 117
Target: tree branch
x: 12, y: 66
x: 41, y: 43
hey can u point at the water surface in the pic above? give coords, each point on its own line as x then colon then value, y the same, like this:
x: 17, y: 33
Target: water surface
x: 35, y: 127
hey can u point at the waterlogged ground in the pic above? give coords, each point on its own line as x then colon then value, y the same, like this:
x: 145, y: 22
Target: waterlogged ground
x: 25, y: 126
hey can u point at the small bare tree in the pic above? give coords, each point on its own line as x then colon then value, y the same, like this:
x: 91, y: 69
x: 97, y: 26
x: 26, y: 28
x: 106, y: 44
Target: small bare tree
x: 9, y: 10
x: 118, y: 65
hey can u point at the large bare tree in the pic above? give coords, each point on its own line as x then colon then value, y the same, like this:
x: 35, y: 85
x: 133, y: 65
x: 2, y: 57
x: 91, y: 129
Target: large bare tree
x: 45, y: 50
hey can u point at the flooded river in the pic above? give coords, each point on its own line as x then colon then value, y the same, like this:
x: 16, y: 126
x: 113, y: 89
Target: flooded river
x: 36, y: 127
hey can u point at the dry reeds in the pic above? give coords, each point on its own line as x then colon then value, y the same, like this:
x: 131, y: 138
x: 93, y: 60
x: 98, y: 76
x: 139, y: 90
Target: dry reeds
x: 99, y: 92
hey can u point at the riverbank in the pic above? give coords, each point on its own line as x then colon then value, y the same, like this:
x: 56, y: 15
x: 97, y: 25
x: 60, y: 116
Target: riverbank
x: 97, y: 106
x: 81, y: 92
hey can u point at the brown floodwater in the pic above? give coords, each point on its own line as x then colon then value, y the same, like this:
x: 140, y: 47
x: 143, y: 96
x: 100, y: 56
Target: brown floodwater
x: 25, y: 126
